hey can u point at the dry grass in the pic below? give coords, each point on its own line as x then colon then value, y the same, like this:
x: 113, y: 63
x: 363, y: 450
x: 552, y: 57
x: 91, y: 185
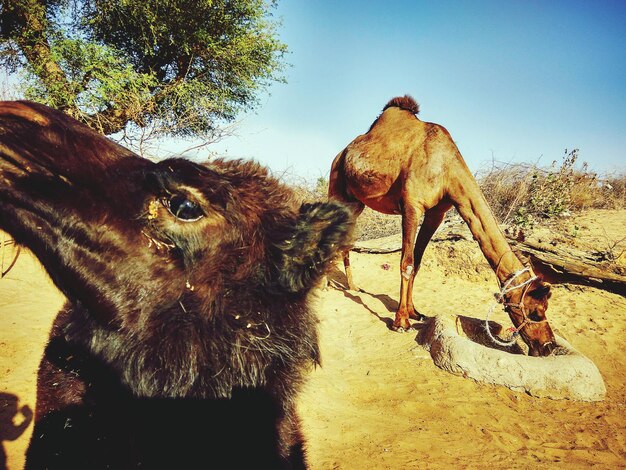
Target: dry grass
x: 524, y: 195
x: 519, y: 194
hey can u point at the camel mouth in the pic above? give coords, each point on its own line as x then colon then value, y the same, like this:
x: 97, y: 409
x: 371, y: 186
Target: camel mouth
x: 537, y: 348
x: 542, y: 350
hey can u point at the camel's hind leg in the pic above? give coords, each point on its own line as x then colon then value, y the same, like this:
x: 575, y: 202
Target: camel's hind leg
x: 432, y: 220
x: 357, y: 208
x: 337, y: 191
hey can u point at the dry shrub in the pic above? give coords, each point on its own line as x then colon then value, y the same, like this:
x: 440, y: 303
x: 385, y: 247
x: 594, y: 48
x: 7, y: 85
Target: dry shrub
x: 307, y: 191
x: 371, y: 225
x: 506, y: 188
x: 615, y: 190
x: 522, y: 194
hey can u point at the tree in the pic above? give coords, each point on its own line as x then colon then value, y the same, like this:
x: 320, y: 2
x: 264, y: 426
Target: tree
x: 178, y: 66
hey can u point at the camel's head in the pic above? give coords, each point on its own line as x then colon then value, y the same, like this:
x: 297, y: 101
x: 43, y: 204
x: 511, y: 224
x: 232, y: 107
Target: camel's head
x: 120, y: 232
x: 228, y: 223
x: 160, y: 248
x: 527, y: 308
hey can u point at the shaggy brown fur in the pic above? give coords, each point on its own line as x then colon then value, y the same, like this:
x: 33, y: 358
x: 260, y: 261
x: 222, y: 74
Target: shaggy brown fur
x: 187, y: 332
x: 405, y: 166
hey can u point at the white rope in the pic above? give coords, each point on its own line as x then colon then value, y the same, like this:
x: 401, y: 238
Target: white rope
x: 503, y: 291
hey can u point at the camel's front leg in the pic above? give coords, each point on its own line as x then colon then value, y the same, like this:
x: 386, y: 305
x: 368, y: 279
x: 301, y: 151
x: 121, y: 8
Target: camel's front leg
x: 430, y: 224
x: 410, y: 220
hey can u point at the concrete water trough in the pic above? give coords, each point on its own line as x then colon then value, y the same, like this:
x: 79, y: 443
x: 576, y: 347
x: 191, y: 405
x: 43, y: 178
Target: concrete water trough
x: 461, y: 345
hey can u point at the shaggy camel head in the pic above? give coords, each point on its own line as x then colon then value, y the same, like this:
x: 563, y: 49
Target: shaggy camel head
x: 188, y: 298
x: 185, y: 281
x: 165, y: 256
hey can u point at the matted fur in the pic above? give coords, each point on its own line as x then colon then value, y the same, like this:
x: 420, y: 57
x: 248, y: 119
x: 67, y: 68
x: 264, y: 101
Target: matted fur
x: 184, y: 341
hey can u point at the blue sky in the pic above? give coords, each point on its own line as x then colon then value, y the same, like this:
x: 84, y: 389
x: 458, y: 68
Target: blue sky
x: 517, y: 81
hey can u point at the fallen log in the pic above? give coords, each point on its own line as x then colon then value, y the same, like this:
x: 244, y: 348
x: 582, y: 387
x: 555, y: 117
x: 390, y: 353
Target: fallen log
x: 559, y: 267
x: 556, y: 265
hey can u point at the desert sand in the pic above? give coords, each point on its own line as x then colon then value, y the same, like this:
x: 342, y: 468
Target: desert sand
x: 378, y: 401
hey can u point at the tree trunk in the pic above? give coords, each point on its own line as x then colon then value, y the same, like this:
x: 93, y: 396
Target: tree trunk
x: 559, y: 266
x: 33, y: 41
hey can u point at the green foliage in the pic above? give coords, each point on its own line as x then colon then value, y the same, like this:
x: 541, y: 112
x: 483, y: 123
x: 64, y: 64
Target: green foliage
x: 182, y: 66
x: 98, y: 77
x: 523, y: 218
x: 550, y: 191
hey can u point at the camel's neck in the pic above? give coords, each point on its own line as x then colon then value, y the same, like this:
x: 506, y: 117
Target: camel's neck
x: 509, y: 265
x: 474, y: 209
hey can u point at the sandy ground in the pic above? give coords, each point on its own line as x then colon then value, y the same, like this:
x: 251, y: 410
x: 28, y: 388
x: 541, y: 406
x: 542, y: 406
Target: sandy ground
x: 378, y: 401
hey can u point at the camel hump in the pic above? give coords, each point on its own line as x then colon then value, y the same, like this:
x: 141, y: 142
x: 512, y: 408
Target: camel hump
x: 405, y: 102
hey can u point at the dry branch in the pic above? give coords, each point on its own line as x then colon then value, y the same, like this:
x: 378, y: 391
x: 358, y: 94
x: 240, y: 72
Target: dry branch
x: 573, y: 267
x: 556, y: 265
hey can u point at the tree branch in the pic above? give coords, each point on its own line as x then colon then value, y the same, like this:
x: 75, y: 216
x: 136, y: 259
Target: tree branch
x: 30, y: 16
x: 558, y: 266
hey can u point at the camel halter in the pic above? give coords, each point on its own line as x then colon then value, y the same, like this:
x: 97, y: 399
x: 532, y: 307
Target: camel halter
x: 506, y: 288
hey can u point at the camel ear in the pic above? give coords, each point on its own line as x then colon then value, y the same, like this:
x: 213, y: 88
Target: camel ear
x: 540, y: 291
x: 312, y: 242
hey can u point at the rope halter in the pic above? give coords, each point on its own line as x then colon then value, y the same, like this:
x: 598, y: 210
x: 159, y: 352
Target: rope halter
x: 500, y: 299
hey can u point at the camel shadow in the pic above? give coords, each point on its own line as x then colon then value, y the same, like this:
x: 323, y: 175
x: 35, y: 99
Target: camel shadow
x: 9, y: 415
x: 390, y: 304
x: 354, y: 296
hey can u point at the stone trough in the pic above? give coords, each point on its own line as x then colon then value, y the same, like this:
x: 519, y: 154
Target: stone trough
x: 461, y: 345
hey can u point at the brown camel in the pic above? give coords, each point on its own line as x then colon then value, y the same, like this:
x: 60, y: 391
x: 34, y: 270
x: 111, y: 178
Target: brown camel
x: 187, y: 332
x: 405, y: 166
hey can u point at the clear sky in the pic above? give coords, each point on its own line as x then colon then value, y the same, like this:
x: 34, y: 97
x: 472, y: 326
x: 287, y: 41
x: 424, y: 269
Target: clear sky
x: 517, y: 81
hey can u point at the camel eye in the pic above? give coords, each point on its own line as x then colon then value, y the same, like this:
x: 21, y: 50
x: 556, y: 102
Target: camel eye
x: 184, y: 209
